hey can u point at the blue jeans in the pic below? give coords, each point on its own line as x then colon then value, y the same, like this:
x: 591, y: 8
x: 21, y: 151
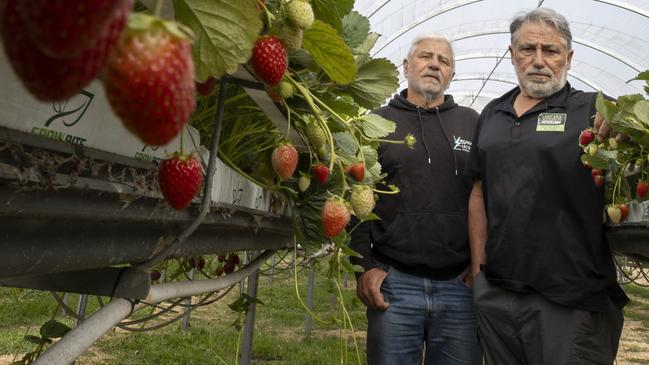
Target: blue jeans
x: 437, y: 313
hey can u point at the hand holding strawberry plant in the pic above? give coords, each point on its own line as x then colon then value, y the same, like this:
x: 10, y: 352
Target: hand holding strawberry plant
x: 626, y: 161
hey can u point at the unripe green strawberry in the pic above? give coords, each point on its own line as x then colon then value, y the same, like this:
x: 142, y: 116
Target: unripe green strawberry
x: 180, y: 178
x: 612, y: 143
x: 303, y: 182
x: 315, y: 134
x: 335, y: 217
x: 300, y: 13
x: 362, y: 200
x: 284, y: 160
x: 149, y: 81
x: 614, y: 213
x: 285, y: 89
x: 290, y: 36
x: 592, y: 149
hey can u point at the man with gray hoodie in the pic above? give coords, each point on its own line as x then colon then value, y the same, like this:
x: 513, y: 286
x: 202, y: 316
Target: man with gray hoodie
x: 416, y: 283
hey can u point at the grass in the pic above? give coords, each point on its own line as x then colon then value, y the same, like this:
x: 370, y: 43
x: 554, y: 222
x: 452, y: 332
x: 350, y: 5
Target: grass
x: 279, y: 336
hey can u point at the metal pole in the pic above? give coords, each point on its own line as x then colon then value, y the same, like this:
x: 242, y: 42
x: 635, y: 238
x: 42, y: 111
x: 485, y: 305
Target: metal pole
x: 62, y: 312
x: 81, y: 309
x: 272, y: 271
x: 249, y: 325
x: 77, y: 341
x: 308, y: 320
x: 188, y: 302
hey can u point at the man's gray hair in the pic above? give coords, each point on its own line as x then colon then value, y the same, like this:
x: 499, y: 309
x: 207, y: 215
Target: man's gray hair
x: 431, y: 36
x: 545, y: 16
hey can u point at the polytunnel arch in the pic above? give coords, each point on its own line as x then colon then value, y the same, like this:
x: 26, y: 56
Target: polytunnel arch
x: 608, y: 49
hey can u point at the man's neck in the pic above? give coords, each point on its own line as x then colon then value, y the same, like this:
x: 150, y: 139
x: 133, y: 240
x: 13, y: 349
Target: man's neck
x: 524, y: 102
x: 424, y: 102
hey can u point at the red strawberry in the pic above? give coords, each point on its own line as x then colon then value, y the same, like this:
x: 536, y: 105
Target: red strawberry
x: 320, y: 173
x: 234, y: 258
x: 221, y: 258
x: 358, y: 171
x: 150, y: 80
x: 228, y: 268
x: 155, y: 275
x: 205, y: 88
x: 64, y: 28
x: 586, y: 136
x: 269, y: 59
x: 624, y: 210
x: 335, y: 217
x: 180, y: 178
x: 598, y: 180
x: 595, y: 172
x: 641, y: 189
x: 284, y: 160
x: 50, y: 79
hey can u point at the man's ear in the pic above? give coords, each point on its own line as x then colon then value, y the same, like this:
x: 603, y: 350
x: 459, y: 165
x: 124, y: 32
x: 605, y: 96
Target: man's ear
x: 511, y: 54
x: 405, y: 67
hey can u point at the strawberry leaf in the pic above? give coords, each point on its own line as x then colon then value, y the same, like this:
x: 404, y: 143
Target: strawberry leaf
x: 376, y: 81
x: 346, y: 143
x: 330, y: 52
x: 371, y: 156
x: 642, y: 76
x: 331, y: 11
x: 605, y: 108
x: 54, y: 329
x: 225, y: 31
x: 641, y: 110
x: 355, y: 29
x: 375, y: 126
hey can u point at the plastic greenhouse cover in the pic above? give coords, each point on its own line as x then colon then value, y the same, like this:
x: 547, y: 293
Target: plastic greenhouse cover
x: 609, y: 41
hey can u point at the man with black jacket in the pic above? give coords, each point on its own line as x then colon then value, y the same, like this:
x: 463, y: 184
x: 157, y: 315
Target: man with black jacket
x: 545, y: 286
x: 417, y: 258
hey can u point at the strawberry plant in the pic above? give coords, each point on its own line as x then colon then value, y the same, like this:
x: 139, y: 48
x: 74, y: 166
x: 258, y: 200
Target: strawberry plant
x: 622, y: 160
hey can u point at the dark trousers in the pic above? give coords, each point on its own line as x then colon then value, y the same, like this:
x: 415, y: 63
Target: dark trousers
x: 527, y: 329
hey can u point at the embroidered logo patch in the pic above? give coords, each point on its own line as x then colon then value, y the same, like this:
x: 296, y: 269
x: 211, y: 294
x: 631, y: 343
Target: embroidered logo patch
x: 461, y: 144
x: 551, y: 122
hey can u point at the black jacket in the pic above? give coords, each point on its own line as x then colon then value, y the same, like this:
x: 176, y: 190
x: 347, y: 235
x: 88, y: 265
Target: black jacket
x: 423, y: 229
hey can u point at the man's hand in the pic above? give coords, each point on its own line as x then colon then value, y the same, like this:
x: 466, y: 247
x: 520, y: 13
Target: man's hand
x: 603, y: 130
x: 467, y: 277
x: 368, y: 289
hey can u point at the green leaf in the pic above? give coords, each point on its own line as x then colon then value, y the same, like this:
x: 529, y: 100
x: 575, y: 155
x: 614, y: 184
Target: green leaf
x: 371, y: 156
x: 355, y: 29
x: 626, y: 102
x: 605, y: 108
x: 330, y: 52
x: 646, y: 88
x: 54, y: 329
x: 225, y: 31
x: 641, y: 110
x: 343, y: 105
x: 346, y: 143
x: 349, y: 252
x: 35, y: 339
x: 307, y: 220
x: 331, y: 11
x: 642, y: 76
x: 377, y: 80
x: 367, y: 44
x: 375, y: 126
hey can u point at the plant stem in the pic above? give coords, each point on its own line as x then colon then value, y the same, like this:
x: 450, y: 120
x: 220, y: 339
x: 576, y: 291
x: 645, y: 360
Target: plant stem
x: 157, y: 8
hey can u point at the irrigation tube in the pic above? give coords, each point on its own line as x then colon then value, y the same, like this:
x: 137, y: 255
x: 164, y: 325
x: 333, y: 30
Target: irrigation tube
x: 77, y: 341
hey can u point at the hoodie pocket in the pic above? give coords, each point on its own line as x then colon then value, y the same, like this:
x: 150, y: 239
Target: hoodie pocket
x: 432, y: 239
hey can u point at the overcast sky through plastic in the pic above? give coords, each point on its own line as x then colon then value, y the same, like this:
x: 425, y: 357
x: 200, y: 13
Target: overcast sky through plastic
x: 609, y: 39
